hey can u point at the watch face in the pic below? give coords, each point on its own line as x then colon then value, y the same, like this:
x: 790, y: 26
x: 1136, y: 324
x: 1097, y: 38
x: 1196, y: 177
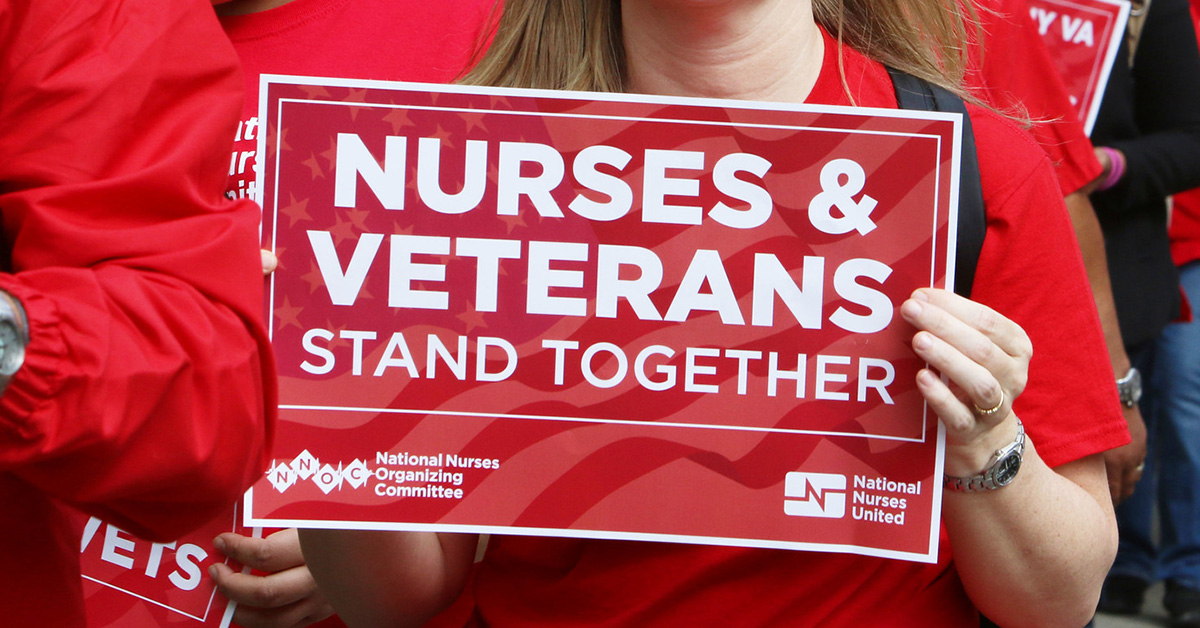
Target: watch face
x: 1007, y: 468
x: 12, y: 353
x: 1135, y: 386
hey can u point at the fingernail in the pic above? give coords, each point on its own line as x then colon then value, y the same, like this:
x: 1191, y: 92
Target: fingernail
x: 910, y: 309
x: 922, y: 341
x: 212, y: 572
x: 219, y: 543
x: 920, y: 295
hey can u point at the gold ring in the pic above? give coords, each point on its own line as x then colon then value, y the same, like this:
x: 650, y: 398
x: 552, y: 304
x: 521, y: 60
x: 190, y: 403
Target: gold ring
x: 989, y: 412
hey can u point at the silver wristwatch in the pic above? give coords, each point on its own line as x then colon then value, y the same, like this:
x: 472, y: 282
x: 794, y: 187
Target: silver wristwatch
x: 1130, y: 387
x: 1000, y: 472
x: 14, y: 336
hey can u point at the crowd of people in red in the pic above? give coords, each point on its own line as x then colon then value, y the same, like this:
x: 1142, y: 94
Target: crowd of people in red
x: 137, y: 382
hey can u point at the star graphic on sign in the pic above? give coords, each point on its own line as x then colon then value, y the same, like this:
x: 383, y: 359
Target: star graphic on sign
x: 331, y: 154
x: 314, y: 92
x: 512, y: 222
x: 277, y: 138
x: 358, y: 217
x: 296, y: 210
x: 471, y: 319
x: 287, y: 314
x: 398, y: 118
x: 343, y: 231
x: 313, y: 167
x: 313, y: 278
x: 411, y: 186
x: 474, y: 119
x: 444, y: 135
x: 355, y: 95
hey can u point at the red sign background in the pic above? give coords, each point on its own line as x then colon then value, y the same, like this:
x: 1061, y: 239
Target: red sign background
x: 388, y: 422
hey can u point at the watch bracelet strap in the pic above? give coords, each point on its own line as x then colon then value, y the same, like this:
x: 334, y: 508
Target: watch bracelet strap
x: 985, y: 480
x: 973, y: 484
x: 1124, y: 392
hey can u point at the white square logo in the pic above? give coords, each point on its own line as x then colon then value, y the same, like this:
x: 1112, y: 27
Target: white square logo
x: 305, y: 465
x: 282, y: 477
x: 329, y: 478
x: 815, y: 495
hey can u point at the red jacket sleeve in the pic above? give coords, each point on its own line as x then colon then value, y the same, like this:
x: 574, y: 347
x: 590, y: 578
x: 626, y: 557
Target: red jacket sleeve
x: 147, y: 395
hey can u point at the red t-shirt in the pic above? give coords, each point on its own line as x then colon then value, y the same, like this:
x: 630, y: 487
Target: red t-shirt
x: 1029, y: 269
x: 392, y: 40
x: 1014, y: 72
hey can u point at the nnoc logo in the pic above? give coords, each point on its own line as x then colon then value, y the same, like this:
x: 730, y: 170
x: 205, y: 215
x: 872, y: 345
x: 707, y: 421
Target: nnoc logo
x: 283, y: 475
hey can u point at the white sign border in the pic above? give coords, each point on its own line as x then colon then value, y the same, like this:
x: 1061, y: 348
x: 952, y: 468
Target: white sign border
x: 931, y: 556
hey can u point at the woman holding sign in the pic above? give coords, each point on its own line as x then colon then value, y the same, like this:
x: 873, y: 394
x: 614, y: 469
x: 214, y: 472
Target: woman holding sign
x: 1033, y: 551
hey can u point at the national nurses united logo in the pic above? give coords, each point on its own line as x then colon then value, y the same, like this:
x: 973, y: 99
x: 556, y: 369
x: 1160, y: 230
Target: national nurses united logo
x: 282, y: 475
x: 872, y: 498
x: 815, y: 495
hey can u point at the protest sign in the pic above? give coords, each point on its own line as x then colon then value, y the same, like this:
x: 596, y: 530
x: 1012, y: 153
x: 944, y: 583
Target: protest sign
x: 604, y: 316
x: 130, y: 582
x: 1083, y: 37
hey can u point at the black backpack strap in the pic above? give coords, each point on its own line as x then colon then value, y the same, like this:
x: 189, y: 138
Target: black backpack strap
x: 917, y: 94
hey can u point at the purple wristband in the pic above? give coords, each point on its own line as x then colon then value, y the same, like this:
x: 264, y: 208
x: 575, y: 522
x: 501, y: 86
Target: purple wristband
x: 1116, y: 170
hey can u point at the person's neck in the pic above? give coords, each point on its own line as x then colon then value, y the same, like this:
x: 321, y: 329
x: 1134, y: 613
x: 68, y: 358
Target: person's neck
x: 245, y: 7
x: 744, y: 49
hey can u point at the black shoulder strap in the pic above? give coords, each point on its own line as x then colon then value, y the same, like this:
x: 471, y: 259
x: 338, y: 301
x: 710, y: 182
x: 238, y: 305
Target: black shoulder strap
x: 918, y: 94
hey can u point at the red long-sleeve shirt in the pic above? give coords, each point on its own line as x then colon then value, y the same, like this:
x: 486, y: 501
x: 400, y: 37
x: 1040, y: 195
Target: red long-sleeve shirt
x: 147, y: 393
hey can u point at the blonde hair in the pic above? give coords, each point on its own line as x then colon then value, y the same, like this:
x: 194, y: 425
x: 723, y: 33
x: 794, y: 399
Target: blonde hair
x: 577, y: 44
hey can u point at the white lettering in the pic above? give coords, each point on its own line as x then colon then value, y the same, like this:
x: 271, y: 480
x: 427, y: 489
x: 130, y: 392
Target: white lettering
x: 353, y: 158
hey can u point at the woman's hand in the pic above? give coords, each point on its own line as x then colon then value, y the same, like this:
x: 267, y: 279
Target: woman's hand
x: 1037, y: 549
x: 286, y: 597
x: 985, y: 358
